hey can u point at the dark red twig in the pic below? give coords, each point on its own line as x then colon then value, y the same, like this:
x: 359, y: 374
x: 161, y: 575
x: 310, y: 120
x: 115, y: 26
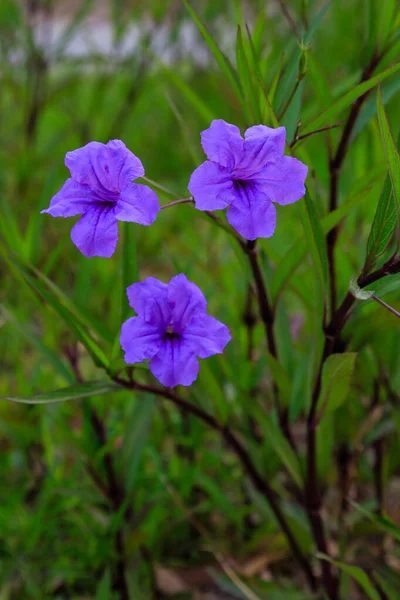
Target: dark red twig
x: 312, y: 492
x: 239, y: 449
x: 335, y: 166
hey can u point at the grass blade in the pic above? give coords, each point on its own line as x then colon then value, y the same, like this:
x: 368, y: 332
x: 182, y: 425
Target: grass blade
x: 347, y: 100
x: 72, y: 392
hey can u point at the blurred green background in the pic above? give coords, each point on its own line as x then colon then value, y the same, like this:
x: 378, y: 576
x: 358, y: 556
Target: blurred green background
x: 190, y: 523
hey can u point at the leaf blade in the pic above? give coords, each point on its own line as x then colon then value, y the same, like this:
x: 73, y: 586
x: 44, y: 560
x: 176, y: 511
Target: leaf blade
x: 72, y: 392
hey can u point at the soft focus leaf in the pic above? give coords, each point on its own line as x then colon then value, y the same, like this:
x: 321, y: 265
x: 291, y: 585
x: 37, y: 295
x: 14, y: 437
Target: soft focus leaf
x: 187, y: 91
x: 288, y: 81
x: 51, y: 356
x: 356, y: 573
x: 129, y: 266
x: 221, y: 59
x: 391, y: 152
x: 281, y: 377
x: 345, y: 101
x: 72, y: 392
x: 246, y: 80
x: 383, y: 523
x: 70, y: 318
x: 315, y: 239
x: 336, y: 377
x: 293, y: 258
x: 383, y: 226
x: 137, y: 431
x: 280, y: 445
x: 103, y: 591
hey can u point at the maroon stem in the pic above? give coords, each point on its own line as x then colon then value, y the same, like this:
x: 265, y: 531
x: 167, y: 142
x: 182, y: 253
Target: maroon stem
x: 312, y: 491
x: 239, y: 449
x: 267, y: 317
x: 335, y: 168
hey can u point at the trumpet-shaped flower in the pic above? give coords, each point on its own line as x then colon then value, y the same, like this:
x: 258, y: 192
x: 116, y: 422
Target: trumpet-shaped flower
x: 247, y: 176
x: 172, y: 329
x: 101, y: 190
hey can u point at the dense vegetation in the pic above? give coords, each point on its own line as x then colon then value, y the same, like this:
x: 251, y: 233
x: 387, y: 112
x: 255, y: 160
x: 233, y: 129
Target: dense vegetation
x: 276, y: 474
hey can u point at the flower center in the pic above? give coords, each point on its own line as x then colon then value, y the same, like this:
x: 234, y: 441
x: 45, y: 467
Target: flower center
x: 170, y: 334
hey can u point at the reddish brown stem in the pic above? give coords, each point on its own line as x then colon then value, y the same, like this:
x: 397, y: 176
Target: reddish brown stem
x: 335, y: 167
x: 239, y: 449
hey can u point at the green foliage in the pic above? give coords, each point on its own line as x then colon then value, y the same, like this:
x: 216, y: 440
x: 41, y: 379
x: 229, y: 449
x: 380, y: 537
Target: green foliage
x: 80, y: 476
x: 336, y: 378
x: 73, y: 392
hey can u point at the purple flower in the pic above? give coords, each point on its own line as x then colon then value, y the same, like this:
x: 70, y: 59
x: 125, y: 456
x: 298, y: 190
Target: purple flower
x: 172, y: 329
x: 101, y: 190
x: 247, y: 175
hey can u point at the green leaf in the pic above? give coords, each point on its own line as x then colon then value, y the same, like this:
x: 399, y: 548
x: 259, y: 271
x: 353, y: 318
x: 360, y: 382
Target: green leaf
x: 347, y: 100
x: 279, y: 444
x: 193, y: 99
x: 392, y: 593
x: 369, y: 110
x: 391, y: 283
x: 383, y: 523
x: 136, y: 433
x: 289, y: 78
x: 281, y: 378
x: 129, y: 265
x: 391, y: 152
x: 389, y: 580
x: 103, y: 591
x: 246, y: 80
x: 383, y: 225
x: 386, y: 16
x: 219, y: 56
x: 71, y: 320
x: 294, y: 257
x: 315, y: 239
x: 27, y: 332
x: 336, y: 377
x: 72, y: 392
x: 84, y: 317
x: 356, y: 573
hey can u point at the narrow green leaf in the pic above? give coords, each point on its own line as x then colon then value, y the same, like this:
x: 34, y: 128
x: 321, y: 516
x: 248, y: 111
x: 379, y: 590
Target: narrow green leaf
x: 390, y: 284
x: 129, y: 265
x: 389, y: 581
x: 383, y: 225
x: 281, y: 377
x: 219, y: 56
x: 72, y: 392
x: 193, y: 99
x: 386, y: 16
x: 103, y: 591
x: 84, y: 317
x: 246, y: 80
x: 279, y: 444
x: 26, y: 331
x: 369, y: 110
x: 288, y: 81
x: 383, y: 523
x: 391, y: 152
x: 315, y: 239
x: 391, y: 592
x: 97, y: 354
x: 356, y: 573
x: 268, y: 110
x: 136, y: 433
x: 295, y: 256
x: 347, y: 100
x: 336, y: 378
